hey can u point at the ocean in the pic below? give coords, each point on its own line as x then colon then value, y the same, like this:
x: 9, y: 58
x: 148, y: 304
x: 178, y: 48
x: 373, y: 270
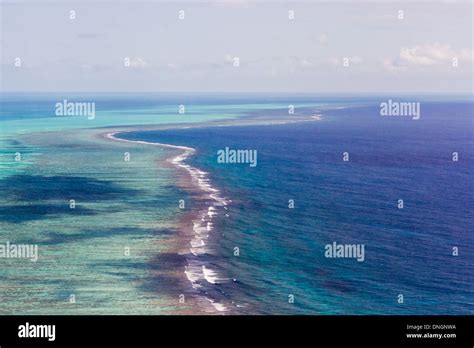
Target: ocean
x: 408, y: 251
x: 231, y: 238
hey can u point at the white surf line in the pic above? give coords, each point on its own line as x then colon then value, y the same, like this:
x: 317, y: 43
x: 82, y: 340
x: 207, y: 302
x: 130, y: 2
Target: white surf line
x: 201, y: 227
x: 112, y: 136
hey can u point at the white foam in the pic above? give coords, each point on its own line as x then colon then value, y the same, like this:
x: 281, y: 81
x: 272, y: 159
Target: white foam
x: 193, y: 274
x: 195, y: 271
x: 196, y: 243
x: 210, y: 275
x: 218, y: 306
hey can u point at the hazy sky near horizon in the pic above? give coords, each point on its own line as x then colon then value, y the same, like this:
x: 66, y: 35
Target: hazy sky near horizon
x: 385, y: 54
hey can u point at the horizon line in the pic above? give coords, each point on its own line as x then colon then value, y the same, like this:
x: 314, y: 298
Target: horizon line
x: 251, y: 93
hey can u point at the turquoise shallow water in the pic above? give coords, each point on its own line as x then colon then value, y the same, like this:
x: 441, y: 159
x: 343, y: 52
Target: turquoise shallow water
x: 119, y: 206
x: 120, y: 249
x: 125, y: 246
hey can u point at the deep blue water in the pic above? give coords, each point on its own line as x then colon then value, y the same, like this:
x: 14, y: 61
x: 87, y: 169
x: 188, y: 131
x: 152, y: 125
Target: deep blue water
x: 408, y: 251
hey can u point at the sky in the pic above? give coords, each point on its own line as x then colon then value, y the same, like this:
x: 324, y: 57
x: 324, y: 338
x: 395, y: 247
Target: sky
x: 326, y: 47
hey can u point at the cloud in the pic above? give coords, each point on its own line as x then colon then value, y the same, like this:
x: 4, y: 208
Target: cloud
x: 138, y: 63
x: 429, y: 54
x: 306, y: 63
